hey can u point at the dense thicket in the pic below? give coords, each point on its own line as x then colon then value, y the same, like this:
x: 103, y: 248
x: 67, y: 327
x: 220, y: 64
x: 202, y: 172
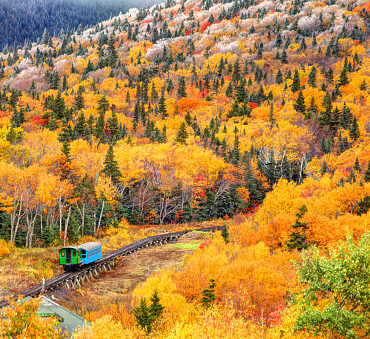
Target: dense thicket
x: 22, y: 20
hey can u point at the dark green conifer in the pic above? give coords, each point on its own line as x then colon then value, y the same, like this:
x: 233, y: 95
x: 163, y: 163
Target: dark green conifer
x: 298, y: 238
x: 367, y: 173
x: 182, y: 134
x: 299, y: 105
x: 209, y: 295
x: 296, y: 85
x: 111, y: 166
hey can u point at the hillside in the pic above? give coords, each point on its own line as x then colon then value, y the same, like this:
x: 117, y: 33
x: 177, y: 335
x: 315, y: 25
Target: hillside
x: 253, y: 113
x: 24, y: 20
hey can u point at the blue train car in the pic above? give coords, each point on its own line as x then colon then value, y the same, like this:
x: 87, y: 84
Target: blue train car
x: 90, y: 252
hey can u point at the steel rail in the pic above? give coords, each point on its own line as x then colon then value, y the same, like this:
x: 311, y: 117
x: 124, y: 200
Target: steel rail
x: 109, y: 259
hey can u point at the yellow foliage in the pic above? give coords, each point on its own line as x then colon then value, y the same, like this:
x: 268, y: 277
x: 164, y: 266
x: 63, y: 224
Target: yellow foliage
x: 105, y: 190
x: 175, y: 303
x: 5, y: 247
x: 106, y: 327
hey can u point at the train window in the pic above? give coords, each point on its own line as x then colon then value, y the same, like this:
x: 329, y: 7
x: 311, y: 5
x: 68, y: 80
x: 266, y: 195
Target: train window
x: 62, y: 254
x: 74, y: 254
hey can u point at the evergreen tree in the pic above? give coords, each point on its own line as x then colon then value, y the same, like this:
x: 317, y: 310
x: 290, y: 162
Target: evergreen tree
x: 114, y: 127
x: 162, y: 106
x: 367, y: 173
x: 80, y: 126
x: 279, y: 77
x: 355, y: 130
x: 182, y: 134
x: 209, y: 295
x: 298, y: 238
x: 225, y: 234
x: 357, y: 167
x: 296, y: 85
x: 300, y: 104
x: 324, y: 168
x: 343, y: 78
x: 65, y: 161
x: 312, y: 77
x: 111, y: 166
x: 181, y: 91
x: 79, y: 101
x: 143, y: 316
x: 155, y: 309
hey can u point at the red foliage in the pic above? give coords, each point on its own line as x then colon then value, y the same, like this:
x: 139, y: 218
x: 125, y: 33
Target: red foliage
x: 204, y: 26
x: 179, y: 216
x: 37, y: 120
x: 275, y: 316
x: 204, y: 245
x: 252, y: 104
x: 146, y: 21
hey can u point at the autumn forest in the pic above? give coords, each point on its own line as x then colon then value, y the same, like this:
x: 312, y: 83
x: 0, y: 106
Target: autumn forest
x: 247, y: 114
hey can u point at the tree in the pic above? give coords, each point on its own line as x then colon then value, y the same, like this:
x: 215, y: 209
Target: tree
x: 156, y: 309
x: 296, y: 85
x: 209, y: 295
x: 300, y: 104
x: 111, y: 166
x: 181, y: 91
x: 162, y: 106
x: 335, y: 298
x: 147, y: 315
x: 65, y: 161
x: 142, y: 315
x: 79, y: 101
x: 20, y: 320
x: 367, y: 173
x: 343, y: 78
x: 355, y: 130
x: 182, y: 134
x: 298, y: 238
x: 225, y: 234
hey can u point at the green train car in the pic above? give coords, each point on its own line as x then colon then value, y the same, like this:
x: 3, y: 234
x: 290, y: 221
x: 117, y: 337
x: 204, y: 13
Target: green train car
x: 73, y: 257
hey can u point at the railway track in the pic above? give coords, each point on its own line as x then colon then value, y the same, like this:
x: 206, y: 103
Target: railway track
x: 106, y: 263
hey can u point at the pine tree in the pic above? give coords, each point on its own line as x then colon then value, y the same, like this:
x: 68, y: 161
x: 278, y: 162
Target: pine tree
x: 114, y: 127
x: 355, y: 130
x: 181, y: 91
x: 324, y: 168
x: 155, y: 309
x: 143, y: 316
x: 357, y: 167
x: 209, y: 295
x: 279, y: 77
x: 65, y: 161
x: 182, y: 134
x: 80, y: 126
x: 343, y: 78
x: 312, y: 77
x: 300, y: 104
x: 225, y: 234
x: 296, y: 85
x: 298, y: 238
x: 162, y: 106
x: 367, y: 173
x: 111, y: 166
x: 79, y: 101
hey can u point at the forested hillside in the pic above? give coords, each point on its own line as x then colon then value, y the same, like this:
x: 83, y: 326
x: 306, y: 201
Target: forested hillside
x: 23, y: 20
x: 253, y: 113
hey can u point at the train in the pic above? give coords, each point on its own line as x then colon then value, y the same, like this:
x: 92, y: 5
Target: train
x: 73, y: 257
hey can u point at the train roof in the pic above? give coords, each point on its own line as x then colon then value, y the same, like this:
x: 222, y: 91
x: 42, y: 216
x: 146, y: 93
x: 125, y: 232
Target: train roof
x: 89, y: 246
x: 72, y: 247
